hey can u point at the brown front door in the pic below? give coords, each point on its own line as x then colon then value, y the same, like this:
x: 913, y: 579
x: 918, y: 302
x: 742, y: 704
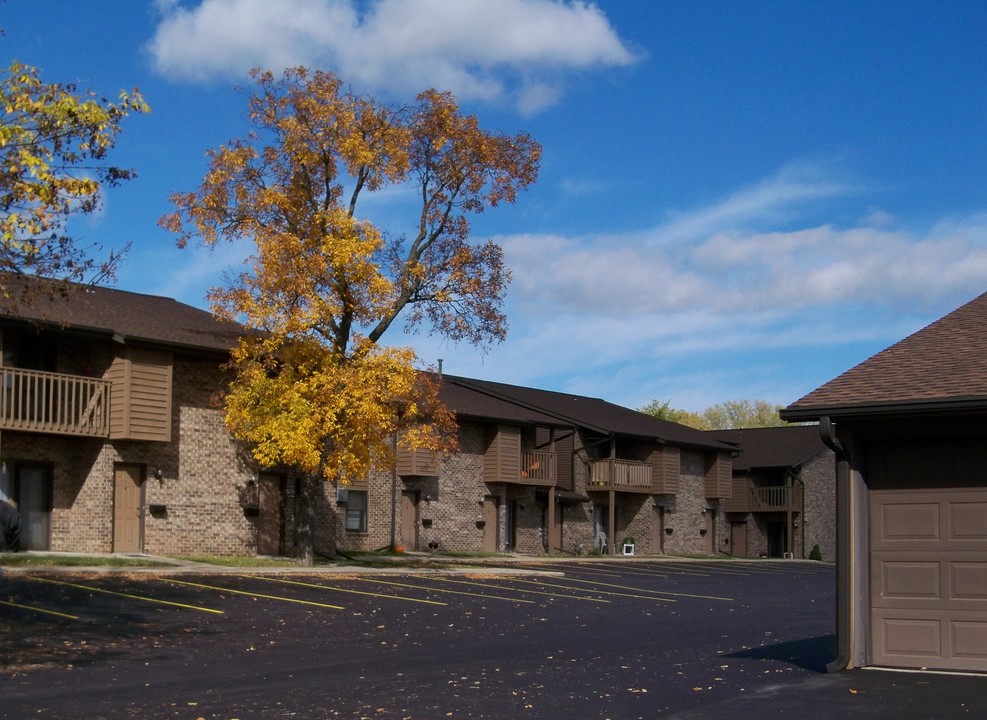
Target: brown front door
x: 658, y: 530
x: 270, y: 515
x: 490, y: 524
x: 127, y: 508
x: 410, y: 521
x: 738, y: 539
x: 710, y: 532
x: 555, y: 531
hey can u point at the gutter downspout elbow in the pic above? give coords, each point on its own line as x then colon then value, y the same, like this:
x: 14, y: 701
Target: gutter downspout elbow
x: 827, y: 431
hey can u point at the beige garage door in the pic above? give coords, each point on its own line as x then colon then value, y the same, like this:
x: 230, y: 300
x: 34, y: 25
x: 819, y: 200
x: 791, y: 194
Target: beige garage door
x: 929, y: 578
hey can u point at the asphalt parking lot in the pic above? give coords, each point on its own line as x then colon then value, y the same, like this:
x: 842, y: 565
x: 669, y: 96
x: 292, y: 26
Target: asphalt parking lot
x: 604, y: 639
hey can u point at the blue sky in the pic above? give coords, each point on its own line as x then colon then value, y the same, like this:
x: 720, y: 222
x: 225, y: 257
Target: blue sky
x: 736, y: 201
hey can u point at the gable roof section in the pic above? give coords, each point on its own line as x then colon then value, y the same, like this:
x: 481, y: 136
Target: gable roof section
x: 127, y: 316
x: 590, y: 413
x: 941, y: 367
x: 773, y: 447
x: 469, y: 402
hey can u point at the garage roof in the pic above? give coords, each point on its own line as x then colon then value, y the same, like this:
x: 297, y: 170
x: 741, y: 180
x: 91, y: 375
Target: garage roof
x: 941, y: 367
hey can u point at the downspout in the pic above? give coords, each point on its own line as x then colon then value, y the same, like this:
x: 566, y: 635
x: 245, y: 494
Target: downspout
x: 394, y: 491
x: 827, y: 431
x: 802, y: 512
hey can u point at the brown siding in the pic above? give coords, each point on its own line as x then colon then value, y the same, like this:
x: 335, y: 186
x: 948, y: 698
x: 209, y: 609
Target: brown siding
x: 740, y: 499
x: 140, y: 406
x: 414, y: 462
x: 719, y: 476
x: 502, y: 459
x: 666, y: 470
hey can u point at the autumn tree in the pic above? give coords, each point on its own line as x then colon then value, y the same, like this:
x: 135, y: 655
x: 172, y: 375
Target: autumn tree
x: 724, y: 416
x: 313, y: 388
x: 54, y: 143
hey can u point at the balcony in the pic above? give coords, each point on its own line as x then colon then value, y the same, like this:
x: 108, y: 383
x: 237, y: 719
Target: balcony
x: 537, y: 468
x: 766, y: 498
x: 620, y: 475
x: 776, y: 499
x: 44, y: 402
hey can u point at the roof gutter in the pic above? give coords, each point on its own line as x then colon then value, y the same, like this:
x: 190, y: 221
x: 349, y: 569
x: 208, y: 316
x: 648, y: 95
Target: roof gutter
x: 794, y: 413
x: 827, y: 430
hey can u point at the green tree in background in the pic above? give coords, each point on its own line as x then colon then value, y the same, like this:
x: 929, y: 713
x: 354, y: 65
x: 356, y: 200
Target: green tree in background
x: 729, y: 415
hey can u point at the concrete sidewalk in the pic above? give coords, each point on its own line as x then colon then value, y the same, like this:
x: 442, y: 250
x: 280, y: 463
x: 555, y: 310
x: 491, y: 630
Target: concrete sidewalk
x: 393, y: 564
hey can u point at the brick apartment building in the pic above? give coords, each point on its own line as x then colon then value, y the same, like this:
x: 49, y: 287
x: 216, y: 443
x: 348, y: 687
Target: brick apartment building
x: 110, y: 441
x: 540, y: 471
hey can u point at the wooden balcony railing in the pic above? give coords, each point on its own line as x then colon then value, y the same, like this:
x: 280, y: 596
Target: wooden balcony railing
x: 34, y: 401
x: 776, y: 499
x: 538, y: 468
x: 626, y: 475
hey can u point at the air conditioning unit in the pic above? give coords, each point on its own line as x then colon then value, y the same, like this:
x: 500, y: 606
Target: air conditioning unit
x: 342, y: 495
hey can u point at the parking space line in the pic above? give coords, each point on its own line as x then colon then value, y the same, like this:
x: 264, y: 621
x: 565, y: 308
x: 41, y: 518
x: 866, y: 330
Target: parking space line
x: 443, y: 590
x: 253, y: 594
x: 33, y: 608
x: 648, y: 570
x: 603, y: 592
x: 344, y: 590
x: 566, y: 567
x: 529, y: 592
x: 658, y: 592
x: 126, y: 595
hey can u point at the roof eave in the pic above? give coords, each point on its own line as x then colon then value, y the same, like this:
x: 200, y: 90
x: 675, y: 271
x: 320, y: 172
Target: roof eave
x: 902, y: 407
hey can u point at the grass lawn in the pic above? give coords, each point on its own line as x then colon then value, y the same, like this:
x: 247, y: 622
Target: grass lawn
x: 28, y: 560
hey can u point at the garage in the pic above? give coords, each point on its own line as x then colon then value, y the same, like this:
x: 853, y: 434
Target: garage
x: 908, y: 428
x: 929, y: 578
x: 928, y: 542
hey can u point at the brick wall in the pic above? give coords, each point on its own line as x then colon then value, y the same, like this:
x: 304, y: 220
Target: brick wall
x: 819, y: 476
x: 203, y: 476
x: 684, y: 511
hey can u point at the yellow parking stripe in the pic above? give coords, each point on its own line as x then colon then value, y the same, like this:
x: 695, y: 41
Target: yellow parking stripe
x: 602, y: 592
x: 441, y: 590
x: 657, y: 592
x: 345, y: 590
x: 527, y: 592
x: 126, y: 595
x: 32, y: 608
x: 253, y: 594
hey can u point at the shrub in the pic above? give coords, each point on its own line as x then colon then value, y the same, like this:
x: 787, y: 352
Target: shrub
x: 816, y: 553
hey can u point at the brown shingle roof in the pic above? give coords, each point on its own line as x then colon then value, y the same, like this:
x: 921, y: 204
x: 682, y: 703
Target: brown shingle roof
x: 942, y: 366
x: 591, y: 413
x: 773, y: 447
x: 468, y: 402
x: 127, y: 315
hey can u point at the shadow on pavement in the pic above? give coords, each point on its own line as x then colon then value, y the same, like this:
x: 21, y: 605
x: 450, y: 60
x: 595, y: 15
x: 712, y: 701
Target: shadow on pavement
x: 808, y: 654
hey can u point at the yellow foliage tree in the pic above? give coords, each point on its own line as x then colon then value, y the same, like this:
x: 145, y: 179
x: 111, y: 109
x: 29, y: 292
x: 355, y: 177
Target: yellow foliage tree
x: 54, y: 142
x: 313, y: 388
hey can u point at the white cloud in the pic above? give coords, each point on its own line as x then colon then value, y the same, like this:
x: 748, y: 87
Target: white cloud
x: 491, y: 50
x: 716, y: 258
x: 769, y: 201
x: 629, y: 317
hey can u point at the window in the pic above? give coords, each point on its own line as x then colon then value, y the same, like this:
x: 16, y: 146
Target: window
x: 356, y: 511
x: 29, y: 350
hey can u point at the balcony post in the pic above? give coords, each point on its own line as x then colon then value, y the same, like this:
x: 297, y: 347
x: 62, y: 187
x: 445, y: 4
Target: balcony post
x: 551, y: 520
x: 611, y: 546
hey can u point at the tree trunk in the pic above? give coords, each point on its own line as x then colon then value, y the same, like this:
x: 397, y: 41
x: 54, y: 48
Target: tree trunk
x: 306, y: 519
